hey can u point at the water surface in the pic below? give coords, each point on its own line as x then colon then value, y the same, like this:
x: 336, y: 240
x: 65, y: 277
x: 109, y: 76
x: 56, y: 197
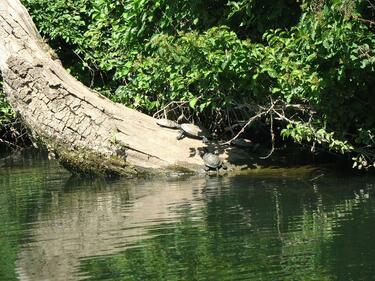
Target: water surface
x: 295, y: 224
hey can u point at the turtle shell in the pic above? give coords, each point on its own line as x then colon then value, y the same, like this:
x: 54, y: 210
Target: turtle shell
x: 211, y: 160
x: 193, y: 130
x: 168, y: 123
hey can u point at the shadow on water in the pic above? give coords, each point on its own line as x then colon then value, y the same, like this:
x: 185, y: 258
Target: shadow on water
x: 284, y: 224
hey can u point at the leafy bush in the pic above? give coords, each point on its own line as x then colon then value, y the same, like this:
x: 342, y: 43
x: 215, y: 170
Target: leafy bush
x: 208, y: 70
x: 135, y: 46
x: 110, y: 36
x: 309, y: 65
x: 327, y: 62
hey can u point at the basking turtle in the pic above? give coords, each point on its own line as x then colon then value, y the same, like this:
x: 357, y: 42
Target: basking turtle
x: 168, y: 123
x: 192, y: 131
x: 211, y: 161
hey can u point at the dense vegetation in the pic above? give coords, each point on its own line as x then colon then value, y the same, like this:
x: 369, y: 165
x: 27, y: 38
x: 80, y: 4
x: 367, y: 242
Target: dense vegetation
x: 297, y: 70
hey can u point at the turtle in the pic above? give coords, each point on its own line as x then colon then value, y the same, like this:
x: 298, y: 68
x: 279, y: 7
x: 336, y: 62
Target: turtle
x: 211, y: 161
x: 167, y: 123
x: 192, y: 131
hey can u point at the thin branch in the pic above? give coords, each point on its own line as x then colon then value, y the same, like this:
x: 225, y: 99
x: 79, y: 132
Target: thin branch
x: 9, y: 143
x: 92, y: 71
x: 370, y: 22
x: 272, y: 139
x: 282, y: 117
x: 251, y: 120
x: 178, y: 103
x: 372, y: 5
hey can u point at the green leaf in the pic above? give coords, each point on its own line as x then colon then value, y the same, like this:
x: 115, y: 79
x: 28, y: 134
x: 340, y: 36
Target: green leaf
x: 193, y: 102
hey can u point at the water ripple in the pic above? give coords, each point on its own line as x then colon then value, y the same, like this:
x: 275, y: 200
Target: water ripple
x: 221, y: 228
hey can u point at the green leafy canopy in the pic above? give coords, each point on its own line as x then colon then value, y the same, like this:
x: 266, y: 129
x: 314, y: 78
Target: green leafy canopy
x: 215, y: 57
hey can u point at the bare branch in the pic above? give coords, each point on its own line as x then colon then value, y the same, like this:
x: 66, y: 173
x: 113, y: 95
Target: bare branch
x: 371, y: 4
x: 370, y: 22
x: 272, y: 139
x: 165, y: 109
x: 260, y: 113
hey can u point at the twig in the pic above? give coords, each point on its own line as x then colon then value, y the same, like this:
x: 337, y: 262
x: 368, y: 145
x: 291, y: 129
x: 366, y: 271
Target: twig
x: 370, y: 22
x: 9, y: 143
x: 272, y: 139
x: 179, y: 104
x: 251, y: 120
x: 282, y: 117
x: 229, y: 123
x: 92, y: 71
x: 372, y: 5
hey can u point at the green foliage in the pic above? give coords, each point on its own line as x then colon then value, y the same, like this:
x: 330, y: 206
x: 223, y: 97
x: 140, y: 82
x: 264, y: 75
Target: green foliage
x: 317, y: 54
x: 327, y: 56
x: 117, y: 37
x: 206, y: 70
x: 303, y: 132
x: 110, y: 35
x: 327, y: 62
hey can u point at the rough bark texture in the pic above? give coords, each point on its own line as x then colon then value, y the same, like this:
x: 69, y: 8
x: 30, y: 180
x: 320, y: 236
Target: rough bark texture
x: 87, y: 132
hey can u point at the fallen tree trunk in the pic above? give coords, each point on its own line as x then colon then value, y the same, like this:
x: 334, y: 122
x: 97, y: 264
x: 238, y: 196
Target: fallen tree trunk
x: 87, y: 132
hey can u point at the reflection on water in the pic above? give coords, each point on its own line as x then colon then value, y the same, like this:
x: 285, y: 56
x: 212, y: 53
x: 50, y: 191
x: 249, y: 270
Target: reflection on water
x: 288, y: 225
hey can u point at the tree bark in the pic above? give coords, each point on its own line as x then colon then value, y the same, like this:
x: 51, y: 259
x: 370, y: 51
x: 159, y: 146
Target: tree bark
x: 87, y: 132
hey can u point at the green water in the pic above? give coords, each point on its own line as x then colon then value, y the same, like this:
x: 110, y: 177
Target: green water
x: 296, y: 224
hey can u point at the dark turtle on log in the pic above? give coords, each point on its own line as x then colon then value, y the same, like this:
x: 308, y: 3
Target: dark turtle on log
x: 192, y: 131
x: 167, y: 123
x: 211, y: 161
